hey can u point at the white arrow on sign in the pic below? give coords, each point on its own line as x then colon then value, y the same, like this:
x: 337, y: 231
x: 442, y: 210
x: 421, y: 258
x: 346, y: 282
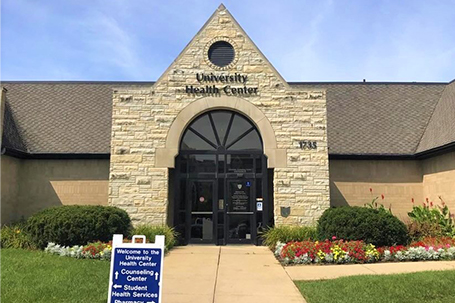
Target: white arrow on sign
x: 156, y: 276
x: 117, y: 286
x: 116, y: 275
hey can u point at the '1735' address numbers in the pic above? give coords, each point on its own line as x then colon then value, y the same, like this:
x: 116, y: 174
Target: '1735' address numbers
x: 307, y: 144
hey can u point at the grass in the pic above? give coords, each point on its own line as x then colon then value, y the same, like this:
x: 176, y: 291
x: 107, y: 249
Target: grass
x: 430, y: 286
x: 34, y: 276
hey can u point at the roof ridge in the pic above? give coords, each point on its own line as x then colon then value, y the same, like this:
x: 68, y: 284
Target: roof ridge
x: 73, y: 82
x: 366, y: 83
x: 152, y: 82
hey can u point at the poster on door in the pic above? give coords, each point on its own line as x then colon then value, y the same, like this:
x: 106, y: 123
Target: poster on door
x: 240, y: 197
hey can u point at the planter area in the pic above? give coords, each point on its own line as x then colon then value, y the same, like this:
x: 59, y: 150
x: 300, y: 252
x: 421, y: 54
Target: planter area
x: 339, y: 251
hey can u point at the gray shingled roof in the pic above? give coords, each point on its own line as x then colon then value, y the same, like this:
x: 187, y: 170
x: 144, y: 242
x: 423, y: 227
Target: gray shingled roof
x: 441, y: 127
x: 363, y: 118
x: 377, y: 118
x: 60, y: 117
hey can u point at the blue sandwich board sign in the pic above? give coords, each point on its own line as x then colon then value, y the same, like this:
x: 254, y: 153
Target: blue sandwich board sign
x: 136, y: 271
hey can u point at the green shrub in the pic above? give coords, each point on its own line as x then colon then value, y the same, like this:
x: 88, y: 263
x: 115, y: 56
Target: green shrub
x: 15, y: 236
x: 431, y: 220
x: 286, y: 234
x: 150, y: 231
x: 77, y: 225
x: 420, y: 230
x: 375, y: 226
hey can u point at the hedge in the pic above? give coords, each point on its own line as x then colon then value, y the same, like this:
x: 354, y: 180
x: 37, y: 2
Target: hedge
x: 376, y: 226
x: 77, y: 225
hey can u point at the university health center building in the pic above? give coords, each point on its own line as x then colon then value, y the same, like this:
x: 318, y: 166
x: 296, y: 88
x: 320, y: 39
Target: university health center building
x: 221, y: 146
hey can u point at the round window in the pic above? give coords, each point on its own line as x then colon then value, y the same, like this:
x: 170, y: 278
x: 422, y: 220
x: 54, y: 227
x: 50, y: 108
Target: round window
x: 221, y: 53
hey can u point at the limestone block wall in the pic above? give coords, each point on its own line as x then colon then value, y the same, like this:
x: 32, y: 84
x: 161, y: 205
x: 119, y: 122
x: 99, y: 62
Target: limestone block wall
x: 143, y: 118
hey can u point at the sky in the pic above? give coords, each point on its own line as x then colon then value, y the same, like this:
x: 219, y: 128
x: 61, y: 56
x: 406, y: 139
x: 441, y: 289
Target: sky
x: 136, y: 40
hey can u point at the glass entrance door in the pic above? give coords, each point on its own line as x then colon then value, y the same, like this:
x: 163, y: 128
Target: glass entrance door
x: 201, y: 215
x: 240, y: 211
x: 220, y: 181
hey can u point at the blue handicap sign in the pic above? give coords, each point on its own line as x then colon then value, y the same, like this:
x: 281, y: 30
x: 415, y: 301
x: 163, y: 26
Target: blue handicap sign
x: 135, y: 274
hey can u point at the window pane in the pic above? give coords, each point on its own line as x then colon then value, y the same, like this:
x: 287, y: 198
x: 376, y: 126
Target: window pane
x: 239, y: 164
x: 201, y: 227
x: 202, y: 163
x: 183, y: 164
x: 239, y: 227
x: 201, y: 196
x: 193, y: 142
x: 250, y: 142
x: 259, y: 164
x: 221, y: 120
x: 203, y: 126
x: 239, y: 126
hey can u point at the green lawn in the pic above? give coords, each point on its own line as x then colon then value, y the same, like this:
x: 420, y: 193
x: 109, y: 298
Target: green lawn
x: 430, y: 286
x: 34, y: 276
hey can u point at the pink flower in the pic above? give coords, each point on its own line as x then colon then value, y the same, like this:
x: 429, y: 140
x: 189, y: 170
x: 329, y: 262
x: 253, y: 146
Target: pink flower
x: 334, y: 238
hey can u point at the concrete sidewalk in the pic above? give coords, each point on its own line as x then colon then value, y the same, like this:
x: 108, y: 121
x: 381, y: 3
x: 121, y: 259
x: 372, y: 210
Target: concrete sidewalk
x: 218, y: 274
x: 320, y: 272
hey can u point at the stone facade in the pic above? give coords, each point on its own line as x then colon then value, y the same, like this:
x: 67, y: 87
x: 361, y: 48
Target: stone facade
x: 144, y: 141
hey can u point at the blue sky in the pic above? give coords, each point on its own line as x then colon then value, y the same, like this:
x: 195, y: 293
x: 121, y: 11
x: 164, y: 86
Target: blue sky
x: 136, y: 40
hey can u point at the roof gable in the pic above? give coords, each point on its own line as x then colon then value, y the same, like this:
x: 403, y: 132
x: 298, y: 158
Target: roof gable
x: 440, y: 130
x: 221, y: 26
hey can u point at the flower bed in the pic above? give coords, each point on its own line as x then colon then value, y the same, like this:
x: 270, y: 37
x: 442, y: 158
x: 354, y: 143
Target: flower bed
x: 342, y: 252
x: 96, y: 250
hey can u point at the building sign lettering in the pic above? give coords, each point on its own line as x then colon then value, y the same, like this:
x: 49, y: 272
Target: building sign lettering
x: 230, y: 84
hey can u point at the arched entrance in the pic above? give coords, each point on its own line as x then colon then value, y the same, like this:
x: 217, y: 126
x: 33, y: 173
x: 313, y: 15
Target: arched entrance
x: 221, y: 191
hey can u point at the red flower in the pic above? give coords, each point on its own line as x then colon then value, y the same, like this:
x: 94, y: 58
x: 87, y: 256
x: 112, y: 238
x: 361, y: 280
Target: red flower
x: 426, y: 199
x: 412, y: 200
x: 382, y: 196
x: 431, y: 204
x: 371, y: 190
